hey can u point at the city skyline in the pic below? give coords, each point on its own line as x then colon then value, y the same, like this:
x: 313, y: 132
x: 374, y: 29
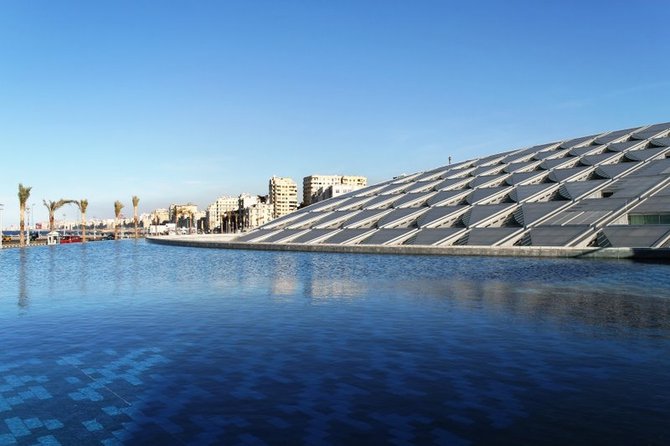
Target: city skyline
x: 178, y: 103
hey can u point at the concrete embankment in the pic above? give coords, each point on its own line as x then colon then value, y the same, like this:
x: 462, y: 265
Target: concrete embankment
x: 227, y: 242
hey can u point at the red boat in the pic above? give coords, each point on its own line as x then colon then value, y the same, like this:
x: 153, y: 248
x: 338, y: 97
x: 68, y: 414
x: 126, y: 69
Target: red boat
x: 70, y: 239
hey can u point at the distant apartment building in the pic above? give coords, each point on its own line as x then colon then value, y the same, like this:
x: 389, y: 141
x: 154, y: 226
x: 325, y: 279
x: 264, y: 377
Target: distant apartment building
x: 354, y: 180
x: 253, y: 211
x: 314, y: 185
x: 160, y: 216
x: 244, y: 212
x: 183, y: 214
x: 334, y: 190
x: 200, y: 219
x: 217, y: 211
x: 256, y: 211
x: 145, y: 220
x: 247, y: 200
x: 283, y: 193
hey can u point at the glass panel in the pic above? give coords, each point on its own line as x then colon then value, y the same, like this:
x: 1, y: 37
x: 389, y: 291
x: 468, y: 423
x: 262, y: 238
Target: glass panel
x: 649, y: 219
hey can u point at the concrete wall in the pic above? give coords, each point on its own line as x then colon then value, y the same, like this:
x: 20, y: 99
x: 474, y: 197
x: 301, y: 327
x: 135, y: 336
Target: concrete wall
x: 657, y: 254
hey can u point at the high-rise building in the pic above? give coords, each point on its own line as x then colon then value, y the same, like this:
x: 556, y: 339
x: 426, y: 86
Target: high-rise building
x: 314, y: 185
x: 283, y: 196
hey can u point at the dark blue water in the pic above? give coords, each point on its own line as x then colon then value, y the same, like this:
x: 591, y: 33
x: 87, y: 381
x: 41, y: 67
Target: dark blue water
x: 130, y: 343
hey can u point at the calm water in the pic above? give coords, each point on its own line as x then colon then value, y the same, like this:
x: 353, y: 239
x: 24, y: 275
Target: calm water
x: 131, y: 343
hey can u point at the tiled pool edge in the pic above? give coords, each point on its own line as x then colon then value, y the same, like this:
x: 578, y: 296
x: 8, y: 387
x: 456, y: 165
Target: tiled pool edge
x: 655, y: 254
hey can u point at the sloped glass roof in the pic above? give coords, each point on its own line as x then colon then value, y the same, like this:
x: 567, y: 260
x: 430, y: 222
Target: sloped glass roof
x: 524, y: 192
x: 283, y: 235
x: 638, y: 236
x: 365, y: 216
x: 489, y: 236
x: 398, y: 216
x: 314, y: 235
x: 557, y: 235
x: 414, y: 199
x: 346, y: 236
x: 576, y: 192
x: 532, y: 212
x: 436, y: 214
x: 386, y: 236
x: 432, y: 236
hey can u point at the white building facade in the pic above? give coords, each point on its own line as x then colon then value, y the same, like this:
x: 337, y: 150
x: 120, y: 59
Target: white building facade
x: 283, y: 194
x: 314, y: 185
x: 218, y: 210
x: 334, y: 191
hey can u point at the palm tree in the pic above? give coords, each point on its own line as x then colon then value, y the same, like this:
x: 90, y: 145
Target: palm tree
x: 52, y: 207
x: 24, y: 194
x: 136, y: 202
x: 82, y: 205
x: 179, y: 214
x: 117, y: 213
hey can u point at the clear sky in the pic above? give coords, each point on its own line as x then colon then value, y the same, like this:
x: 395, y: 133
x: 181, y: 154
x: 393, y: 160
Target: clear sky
x: 179, y: 101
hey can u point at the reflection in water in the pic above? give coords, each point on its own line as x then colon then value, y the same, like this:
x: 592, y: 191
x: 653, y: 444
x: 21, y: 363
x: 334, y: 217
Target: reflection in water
x: 117, y: 261
x: 284, y: 270
x: 336, y: 289
x: 327, y: 280
x: 290, y: 272
x: 52, y: 269
x: 23, y: 290
x: 423, y: 349
x: 539, y: 290
x: 83, y: 269
x: 135, y: 270
x: 536, y: 301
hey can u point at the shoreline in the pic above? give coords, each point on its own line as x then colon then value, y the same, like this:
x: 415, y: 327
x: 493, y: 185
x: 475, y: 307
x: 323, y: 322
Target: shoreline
x: 227, y: 242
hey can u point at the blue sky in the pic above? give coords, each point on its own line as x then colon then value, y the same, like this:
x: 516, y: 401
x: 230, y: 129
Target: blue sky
x: 185, y: 101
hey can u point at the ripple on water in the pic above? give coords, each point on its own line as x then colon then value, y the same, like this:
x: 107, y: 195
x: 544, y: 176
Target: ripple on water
x: 136, y: 343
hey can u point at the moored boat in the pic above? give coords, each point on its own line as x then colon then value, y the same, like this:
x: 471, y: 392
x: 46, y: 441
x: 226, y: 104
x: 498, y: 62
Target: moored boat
x: 70, y: 239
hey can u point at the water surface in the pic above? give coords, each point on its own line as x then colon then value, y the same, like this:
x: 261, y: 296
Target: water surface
x: 131, y: 343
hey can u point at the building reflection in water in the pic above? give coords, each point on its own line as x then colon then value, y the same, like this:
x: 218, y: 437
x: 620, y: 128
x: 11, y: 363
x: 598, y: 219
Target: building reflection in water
x: 285, y: 275
x: 543, y: 290
x: 314, y: 276
x: 333, y: 280
x: 560, y: 302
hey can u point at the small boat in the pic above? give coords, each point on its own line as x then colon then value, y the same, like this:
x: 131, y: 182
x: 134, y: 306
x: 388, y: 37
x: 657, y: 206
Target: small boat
x: 70, y: 239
